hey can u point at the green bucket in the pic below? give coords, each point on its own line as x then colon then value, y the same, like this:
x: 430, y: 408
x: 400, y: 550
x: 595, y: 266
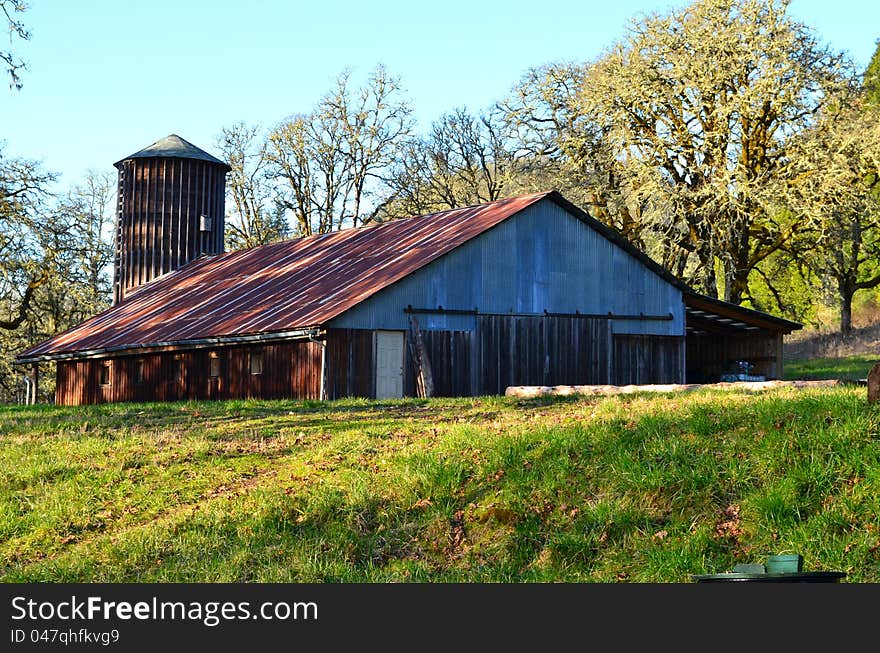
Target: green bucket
x: 785, y: 564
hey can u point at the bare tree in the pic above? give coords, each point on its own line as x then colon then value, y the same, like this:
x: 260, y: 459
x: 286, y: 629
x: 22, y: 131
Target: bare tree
x: 55, y: 258
x: 464, y: 160
x: 16, y: 29
x: 26, y: 254
x: 251, y: 220
x: 561, y: 145
x: 329, y: 165
x: 375, y: 126
x: 81, y: 283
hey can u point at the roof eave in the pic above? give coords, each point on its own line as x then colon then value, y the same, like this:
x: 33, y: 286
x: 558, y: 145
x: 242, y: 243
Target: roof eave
x: 749, y: 315
x: 156, y: 347
x: 225, y: 166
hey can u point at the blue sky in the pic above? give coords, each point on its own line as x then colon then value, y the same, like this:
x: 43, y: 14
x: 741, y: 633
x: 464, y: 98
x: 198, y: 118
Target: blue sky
x: 108, y: 77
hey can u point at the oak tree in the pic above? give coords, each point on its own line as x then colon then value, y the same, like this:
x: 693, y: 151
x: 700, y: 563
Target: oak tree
x: 463, y: 160
x: 835, y: 190
x: 701, y: 106
x: 253, y: 217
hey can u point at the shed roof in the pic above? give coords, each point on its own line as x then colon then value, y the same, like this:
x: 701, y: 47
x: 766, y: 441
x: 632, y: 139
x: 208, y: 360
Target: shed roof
x: 710, y: 315
x: 173, y: 147
x: 284, y: 289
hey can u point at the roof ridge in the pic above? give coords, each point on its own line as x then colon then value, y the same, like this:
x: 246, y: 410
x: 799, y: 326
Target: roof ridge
x: 385, y: 223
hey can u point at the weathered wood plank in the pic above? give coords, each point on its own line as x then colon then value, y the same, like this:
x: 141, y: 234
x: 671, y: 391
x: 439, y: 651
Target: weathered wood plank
x: 183, y: 375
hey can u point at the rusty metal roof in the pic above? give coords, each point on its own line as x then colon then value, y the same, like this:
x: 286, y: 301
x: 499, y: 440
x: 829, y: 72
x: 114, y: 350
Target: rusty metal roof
x: 277, y: 288
x: 284, y: 289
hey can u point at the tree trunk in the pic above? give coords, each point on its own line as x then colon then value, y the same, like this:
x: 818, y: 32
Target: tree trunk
x: 846, y: 288
x: 846, y: 313
x: 735, y: 287
x: 706, y: 274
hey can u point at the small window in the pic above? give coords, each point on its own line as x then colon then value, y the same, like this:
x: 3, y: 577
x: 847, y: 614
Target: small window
x: 139, y: 370
x: 256, y: 362
x: 104, y: 373
x: 214, y: 359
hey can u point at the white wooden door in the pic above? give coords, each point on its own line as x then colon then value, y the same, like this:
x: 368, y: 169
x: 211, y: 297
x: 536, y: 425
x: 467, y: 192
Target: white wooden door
x: 389, y: 364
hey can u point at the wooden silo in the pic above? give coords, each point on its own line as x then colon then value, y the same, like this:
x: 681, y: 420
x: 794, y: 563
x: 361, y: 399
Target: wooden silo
x: 170, y: 211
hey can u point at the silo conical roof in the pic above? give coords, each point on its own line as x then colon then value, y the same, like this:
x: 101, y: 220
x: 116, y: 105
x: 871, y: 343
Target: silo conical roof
x: 174, y: 147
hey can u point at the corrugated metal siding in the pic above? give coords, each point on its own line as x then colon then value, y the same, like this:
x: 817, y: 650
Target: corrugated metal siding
x: 541, y: 259
x: 290, y: 370
x: 709, y: 356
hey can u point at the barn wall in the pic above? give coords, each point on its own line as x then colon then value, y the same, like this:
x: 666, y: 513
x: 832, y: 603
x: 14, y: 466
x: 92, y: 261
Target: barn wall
x: 504, y: 351
x: 541, y: 259
x: 351, y: 368
x: 541, y: 351
x: 711, y: 355
x: 76, y: 383
x: 644, y: 360
x: 290, y: 370
x: 451, y: 354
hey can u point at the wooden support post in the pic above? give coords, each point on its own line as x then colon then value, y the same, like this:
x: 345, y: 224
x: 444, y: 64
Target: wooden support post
x: 323, y: 391
x: 414, y: 355
x: 35, y: 378
x: 424, y: 377
x: 874, y: 384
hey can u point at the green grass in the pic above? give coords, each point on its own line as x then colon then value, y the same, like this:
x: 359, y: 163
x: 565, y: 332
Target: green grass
x: 636, y: 488
x: 849, y: 368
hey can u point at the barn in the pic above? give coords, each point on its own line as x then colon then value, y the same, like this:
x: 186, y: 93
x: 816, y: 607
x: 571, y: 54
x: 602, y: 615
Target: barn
x: 527, y: 290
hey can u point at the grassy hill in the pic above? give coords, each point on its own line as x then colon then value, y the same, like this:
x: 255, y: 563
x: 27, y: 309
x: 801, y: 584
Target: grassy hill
x: 626, y: 488
x: 845, y: 368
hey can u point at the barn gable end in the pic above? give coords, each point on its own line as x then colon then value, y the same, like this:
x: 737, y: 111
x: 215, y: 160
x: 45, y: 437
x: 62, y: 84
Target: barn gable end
x: 541, y: 299
x: 541, y: 259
